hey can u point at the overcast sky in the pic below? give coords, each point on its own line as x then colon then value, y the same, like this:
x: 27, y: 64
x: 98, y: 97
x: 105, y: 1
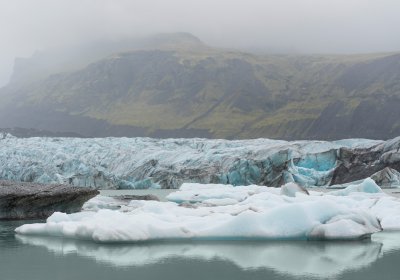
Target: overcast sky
x: 277, y: 26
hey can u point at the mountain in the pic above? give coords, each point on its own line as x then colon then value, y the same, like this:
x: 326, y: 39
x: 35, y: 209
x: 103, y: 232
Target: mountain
x: 176, y: 86
x: 71, y: 58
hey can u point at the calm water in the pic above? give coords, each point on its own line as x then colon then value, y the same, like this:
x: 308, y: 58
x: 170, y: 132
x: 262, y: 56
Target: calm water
x: 31, y: 258
x: 160, y: 193
x: 24, y: 257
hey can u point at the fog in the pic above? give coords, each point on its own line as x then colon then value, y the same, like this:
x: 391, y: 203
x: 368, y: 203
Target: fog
x: 271, y: 26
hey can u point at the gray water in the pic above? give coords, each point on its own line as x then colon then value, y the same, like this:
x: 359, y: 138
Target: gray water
x: 160, y: 193
x: 40, y: 258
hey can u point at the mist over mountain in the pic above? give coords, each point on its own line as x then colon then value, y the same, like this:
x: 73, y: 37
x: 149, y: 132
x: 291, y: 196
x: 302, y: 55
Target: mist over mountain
x: 267, y: 26
x: 44, y: 63
x: 173, y: 85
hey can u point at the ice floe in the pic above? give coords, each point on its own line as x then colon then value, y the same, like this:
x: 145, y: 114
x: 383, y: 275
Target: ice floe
x: 224, y: 212
x: 366, y: 186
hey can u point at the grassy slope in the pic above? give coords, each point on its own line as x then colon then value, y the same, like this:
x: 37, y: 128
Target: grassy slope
x: 230, y: 94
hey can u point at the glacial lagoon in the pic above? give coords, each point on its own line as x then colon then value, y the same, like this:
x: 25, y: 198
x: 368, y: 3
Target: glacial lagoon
x: 40, y: 258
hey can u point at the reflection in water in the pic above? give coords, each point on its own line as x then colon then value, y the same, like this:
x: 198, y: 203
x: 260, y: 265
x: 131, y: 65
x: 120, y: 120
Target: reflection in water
x: 390, y: 241
x: 318, y: 259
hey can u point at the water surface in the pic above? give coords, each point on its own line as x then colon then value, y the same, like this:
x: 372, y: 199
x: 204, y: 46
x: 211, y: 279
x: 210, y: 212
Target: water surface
x: 160, y: 193
x: 41, y: 258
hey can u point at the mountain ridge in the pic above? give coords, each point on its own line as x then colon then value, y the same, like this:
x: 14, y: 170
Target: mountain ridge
x: 192, y: 90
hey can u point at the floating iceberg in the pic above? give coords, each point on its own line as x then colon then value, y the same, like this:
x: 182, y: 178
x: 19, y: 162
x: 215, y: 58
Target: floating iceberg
x: 139, y: 163
x: 214, y: 212
x: 366, y: 186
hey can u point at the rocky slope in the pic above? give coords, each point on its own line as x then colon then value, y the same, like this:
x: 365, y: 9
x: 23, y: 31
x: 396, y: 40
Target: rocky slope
x: 182, y: 88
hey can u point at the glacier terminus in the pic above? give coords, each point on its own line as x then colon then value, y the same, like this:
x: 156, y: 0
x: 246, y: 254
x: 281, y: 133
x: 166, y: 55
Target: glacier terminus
x: 140, y: 163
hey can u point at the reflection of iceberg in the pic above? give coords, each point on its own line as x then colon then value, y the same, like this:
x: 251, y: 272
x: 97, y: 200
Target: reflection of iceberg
x: 319, y: 259
x: 389, y: 240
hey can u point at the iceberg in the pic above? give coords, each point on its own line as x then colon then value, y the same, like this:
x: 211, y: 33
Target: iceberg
x: 136, y: 163
x: 387, y: 177
x: 291, y: 189
x: 366, y: 186
x: 225, y: 212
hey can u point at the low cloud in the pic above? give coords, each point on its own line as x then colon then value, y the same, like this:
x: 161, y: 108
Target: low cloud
x: 284, y: 26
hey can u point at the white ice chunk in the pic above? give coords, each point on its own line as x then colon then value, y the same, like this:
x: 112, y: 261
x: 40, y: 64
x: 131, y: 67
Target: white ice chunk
x: 387, y: 209
x: 290, y: 189
x: 367, y: 186
x: 192, y: 192
x: 101, y: 202
x: 223, y: 213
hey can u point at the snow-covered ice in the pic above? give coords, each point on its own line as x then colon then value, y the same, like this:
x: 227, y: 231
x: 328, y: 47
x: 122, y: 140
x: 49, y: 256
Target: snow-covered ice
x: 215, y: 212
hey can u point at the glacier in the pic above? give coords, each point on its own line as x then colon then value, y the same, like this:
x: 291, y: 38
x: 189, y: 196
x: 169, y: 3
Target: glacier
x: 140, y: 163
x: 225, y: 212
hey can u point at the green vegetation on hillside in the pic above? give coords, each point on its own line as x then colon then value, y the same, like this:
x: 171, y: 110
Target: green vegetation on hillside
x: 224, y: 93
